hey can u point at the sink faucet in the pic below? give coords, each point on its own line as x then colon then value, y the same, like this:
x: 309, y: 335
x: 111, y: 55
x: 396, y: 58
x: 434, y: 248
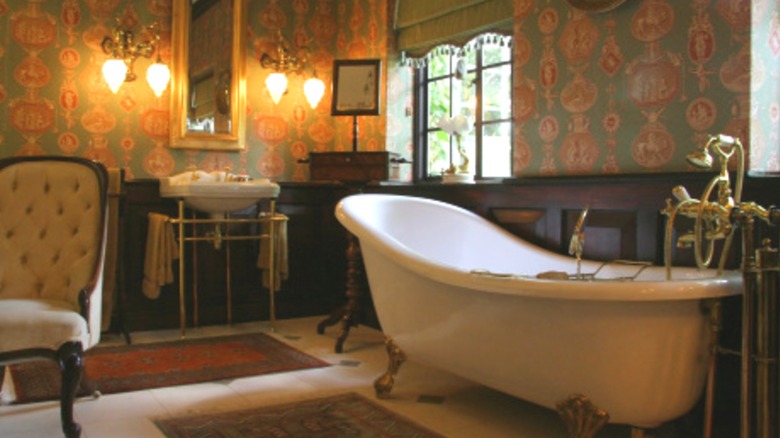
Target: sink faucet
x: 577, y: 243
x: 194, y: 175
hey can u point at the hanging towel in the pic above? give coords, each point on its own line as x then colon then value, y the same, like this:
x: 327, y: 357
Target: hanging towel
x: 280, y: 249
x: 161, y: 251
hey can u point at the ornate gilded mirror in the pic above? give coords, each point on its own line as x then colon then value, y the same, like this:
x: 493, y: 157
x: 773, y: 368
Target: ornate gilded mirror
x: 207, y: 82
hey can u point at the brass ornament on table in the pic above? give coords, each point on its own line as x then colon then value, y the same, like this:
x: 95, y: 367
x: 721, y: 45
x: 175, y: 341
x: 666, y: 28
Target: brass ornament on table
x: 464, y: 159
x: 583, y: 419
x: 456, y: 127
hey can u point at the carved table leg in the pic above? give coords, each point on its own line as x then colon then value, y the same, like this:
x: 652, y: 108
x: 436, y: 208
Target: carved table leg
x: 384, y: 384
x: 349, y: 313
x: 583, y: 419
x: 333, y: 318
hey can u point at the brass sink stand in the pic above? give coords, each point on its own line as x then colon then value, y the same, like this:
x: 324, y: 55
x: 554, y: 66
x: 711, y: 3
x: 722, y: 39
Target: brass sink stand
x: 272, y: 218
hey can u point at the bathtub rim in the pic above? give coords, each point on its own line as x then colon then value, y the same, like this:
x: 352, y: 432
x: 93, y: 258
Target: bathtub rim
x: 730, y: 284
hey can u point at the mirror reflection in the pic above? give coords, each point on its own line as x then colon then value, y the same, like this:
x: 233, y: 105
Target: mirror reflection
x: 208, y: 82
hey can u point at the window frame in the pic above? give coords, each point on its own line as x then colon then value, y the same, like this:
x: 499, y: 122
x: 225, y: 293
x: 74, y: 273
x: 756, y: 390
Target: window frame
x: 422, y: 118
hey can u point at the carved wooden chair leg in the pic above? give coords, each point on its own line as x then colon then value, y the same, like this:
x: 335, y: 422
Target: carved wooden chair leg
x: 583, y: 419
x: 71, y: 361
x: 384, y: 384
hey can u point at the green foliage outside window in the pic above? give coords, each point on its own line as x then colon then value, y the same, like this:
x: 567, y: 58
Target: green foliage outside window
x: 452, y: 87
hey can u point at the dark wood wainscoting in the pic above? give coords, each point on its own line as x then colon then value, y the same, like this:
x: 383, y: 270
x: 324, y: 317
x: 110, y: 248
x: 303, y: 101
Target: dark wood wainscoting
x: 625, y: 222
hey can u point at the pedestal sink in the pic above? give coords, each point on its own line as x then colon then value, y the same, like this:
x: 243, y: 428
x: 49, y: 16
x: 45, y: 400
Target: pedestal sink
x: 217, y: 193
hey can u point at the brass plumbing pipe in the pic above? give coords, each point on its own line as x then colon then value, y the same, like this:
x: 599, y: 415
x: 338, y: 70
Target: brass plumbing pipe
x: 712, y: 222
x: 715, y: 220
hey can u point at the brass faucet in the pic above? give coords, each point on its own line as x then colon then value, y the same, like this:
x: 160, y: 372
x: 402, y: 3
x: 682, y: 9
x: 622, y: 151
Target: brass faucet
x: 577, y: 243
x: 194, y: 175
x: 712, y: 218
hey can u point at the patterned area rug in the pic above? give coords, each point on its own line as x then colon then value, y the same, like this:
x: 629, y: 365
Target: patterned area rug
x: 346, y: 415
x: 144, y: 366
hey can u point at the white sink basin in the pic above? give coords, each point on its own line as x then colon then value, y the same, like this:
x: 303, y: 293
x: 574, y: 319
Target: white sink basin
x: 216, y: 193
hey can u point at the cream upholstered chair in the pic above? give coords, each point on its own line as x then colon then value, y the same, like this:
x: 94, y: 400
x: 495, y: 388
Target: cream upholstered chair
x: 52, y: 244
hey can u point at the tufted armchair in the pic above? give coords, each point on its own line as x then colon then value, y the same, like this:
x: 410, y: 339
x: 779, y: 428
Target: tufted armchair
x: 52, y: 244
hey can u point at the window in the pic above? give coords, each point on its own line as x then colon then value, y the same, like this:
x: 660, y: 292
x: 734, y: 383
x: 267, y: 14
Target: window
x: 475, y: 83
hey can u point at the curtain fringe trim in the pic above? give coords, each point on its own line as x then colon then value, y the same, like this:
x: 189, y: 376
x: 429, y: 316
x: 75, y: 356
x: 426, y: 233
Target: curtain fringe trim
x: 451, y: 49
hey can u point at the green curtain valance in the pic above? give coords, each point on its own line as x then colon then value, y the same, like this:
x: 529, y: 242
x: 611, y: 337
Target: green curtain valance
x: 421, y: 25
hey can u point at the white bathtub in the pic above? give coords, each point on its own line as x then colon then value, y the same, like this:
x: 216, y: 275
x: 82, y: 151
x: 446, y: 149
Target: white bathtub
x: 638, y: 350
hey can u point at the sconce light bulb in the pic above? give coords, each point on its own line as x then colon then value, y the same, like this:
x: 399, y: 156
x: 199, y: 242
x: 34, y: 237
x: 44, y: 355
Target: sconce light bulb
x: 158, y: 75
x: 314, y: 89
x: 277, y: 85
x: 114, y: 72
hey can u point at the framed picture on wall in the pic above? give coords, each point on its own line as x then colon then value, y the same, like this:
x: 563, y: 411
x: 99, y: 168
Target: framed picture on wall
x: 356, y: 87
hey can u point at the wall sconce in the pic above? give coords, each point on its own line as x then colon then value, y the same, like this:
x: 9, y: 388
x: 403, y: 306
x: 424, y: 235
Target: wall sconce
x: 287, y: 62
x: 121, y: 45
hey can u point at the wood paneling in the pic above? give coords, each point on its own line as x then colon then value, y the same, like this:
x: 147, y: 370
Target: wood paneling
x: 624, y: 222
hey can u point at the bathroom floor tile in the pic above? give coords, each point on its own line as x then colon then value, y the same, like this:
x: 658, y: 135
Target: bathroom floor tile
x: 456, y: 407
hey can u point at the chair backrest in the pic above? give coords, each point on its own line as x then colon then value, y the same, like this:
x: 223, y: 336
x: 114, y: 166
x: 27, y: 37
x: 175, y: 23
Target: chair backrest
x: 52, y: 228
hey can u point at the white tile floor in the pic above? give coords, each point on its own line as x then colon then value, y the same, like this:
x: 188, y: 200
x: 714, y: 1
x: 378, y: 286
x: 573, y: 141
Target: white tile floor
x: 467, y: 409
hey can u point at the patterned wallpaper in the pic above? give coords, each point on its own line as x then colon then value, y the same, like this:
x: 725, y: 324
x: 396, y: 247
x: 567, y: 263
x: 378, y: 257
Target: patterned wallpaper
x: 54, y: 100
x: 636, y: 89
x: 628, y: 91
x: 765, y: 88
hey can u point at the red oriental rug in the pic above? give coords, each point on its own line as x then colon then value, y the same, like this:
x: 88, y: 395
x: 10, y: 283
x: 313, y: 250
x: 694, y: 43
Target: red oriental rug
x: 155, y: 365
x: 345, y: 415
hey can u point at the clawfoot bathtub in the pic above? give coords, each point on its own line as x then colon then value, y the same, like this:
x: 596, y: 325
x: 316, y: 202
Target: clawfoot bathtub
x: 459, y: 293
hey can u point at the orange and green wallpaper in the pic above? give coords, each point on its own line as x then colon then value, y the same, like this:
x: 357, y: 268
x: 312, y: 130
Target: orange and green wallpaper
x: 54, y: 100
x: 632, y: 90
x: 635, y: 89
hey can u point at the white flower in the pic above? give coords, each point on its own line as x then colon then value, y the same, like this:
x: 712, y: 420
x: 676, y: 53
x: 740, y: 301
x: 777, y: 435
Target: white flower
x: 457, y: 125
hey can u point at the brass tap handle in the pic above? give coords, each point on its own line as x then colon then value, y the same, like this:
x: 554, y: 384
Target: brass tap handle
x: 681, y: 194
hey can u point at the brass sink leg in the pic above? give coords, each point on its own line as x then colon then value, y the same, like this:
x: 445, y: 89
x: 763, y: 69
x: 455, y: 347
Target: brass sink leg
x: 583, y: 419
x: 384, y: 384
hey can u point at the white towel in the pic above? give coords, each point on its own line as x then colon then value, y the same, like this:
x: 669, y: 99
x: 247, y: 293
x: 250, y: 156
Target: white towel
x: 161, y: 251
x: 280, y: 250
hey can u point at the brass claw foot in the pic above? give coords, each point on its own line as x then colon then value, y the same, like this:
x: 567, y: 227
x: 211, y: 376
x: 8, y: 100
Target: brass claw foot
x: 583, y: 419
x: 384, y: 384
